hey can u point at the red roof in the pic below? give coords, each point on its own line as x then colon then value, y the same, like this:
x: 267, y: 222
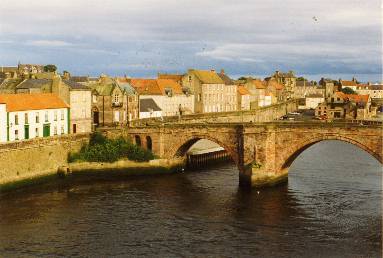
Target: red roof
x: 37, y: 101
x: 259, y: 84
x: 275, y: 84
x: 353, y: 97
x: 348, y: 83
x: 242, y: 90
x: 155, y: 86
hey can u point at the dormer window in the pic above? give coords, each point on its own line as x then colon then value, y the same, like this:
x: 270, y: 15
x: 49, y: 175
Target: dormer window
x: 169, y: 92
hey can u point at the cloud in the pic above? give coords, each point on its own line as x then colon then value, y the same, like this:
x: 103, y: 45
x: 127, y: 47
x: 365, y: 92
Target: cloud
x: 150, y: 35
x: 49, y: 43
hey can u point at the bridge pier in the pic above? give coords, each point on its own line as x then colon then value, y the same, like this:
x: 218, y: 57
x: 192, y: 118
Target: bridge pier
x: 253, y: 176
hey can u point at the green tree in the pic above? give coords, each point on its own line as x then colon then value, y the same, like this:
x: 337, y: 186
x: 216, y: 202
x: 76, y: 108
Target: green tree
x: 348, y: 90
x: 50, y: 68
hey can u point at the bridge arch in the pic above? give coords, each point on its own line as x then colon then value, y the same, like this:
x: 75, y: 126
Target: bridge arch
x: 292, y: 155
x: 137, y: 140
x: 180, y: 149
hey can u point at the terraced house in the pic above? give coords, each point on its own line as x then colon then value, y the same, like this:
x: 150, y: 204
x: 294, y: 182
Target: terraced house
x: 209, y: 90
x: 167, y: 94
x: 109, y: 102
x: 26, y: 116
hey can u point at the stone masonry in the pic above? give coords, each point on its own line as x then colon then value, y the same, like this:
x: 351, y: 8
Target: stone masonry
x: 263, y: 152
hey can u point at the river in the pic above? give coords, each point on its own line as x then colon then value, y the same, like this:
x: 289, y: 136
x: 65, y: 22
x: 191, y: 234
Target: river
x: 330, y: 207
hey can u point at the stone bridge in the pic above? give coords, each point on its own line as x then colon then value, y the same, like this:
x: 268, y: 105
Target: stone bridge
x: 263, y: 152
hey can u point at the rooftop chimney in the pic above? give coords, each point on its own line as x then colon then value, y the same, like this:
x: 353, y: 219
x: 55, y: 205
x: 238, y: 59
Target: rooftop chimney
x: 222, y: 71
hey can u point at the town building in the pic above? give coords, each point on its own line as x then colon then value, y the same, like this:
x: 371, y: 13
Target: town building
x: 149, y: 109
x: 304, y: 88
x: 26, y: 116
x: 353, y: 84
x: 313, y: 100
x: 167, y: 94
x: 230, y: 94
x: 374, y: 90
x: 132, y: 98
x: 243, y: 98
x: 79, y: 98
x: 288, y: 80
x: 346, y: 106
x: 175, y: 77
x: 257, y: 90
x: 209, y: 90
x: 109, y: 102
x: 276, y: 90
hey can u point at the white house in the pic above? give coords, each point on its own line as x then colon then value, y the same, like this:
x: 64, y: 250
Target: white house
x: 167, y: 94
x: 26, y: 116
x: 149, y: 109
x: 313, y: 100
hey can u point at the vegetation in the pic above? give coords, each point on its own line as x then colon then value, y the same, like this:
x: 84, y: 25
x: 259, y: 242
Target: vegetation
x: 348, y: 90
x: 101, y: 149
x: 50, y: 68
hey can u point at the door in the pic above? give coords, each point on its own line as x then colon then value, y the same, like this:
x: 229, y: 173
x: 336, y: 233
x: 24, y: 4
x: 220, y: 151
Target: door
x: 46, y: 130
x: 74, y: 128
x: 96, y: 117
x: 26, y: 131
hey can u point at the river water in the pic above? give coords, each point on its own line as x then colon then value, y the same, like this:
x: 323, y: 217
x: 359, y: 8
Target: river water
x: 331, y: 207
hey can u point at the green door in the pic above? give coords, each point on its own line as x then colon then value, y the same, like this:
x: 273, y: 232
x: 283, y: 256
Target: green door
x: 46, y: 130
x: 26, y: 131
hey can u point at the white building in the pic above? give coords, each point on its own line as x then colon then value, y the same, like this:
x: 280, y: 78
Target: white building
x: 313, y: 100
x: 167, y: 94
x: 243, y: 98
x: 149, y: 109
x: 26, y: 116
x: 374, y: 90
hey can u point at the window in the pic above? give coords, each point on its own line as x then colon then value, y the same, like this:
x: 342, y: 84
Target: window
x: 94, y: 99
x: 16, y: 119
x: 37, y: 118
x: 26, y: 118
x: 116, y: 98
x: 37, y: 132
x: 55, y: 115
x: 55, y: 130
x: 199, y: 97
x: 16, y: 135
x: 337, y: 99
x: 62, y: 129
x: 62, y: 114
x: 46, y: 116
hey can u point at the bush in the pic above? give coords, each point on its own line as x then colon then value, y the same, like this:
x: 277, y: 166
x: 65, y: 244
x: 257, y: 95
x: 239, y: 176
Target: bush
x: 101, y: 149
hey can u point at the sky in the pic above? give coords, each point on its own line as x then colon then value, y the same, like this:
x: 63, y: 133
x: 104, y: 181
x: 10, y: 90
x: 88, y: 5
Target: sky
x: 140, y: 38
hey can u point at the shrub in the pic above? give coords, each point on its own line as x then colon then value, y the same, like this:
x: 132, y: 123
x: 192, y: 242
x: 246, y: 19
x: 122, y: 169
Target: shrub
x: 101, y: 149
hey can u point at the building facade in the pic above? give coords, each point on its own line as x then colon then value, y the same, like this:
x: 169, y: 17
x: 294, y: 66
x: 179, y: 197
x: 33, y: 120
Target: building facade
x: 26, y: 116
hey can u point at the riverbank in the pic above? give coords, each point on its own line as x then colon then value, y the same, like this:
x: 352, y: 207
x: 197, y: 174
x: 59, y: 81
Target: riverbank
x: 86, y: 171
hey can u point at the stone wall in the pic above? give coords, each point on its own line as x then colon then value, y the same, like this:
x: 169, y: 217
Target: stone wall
x: 36, y: 157
x: 262, y: 114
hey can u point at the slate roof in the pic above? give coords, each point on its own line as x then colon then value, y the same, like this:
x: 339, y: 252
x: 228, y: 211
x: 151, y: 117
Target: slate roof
x: 9, y: 85
x: 34, y: 83
x: 22, y: 102
x: 226, y: 79
x: 147, y: 105
x: 79, y: 78
x: 207, y: 77
x: 127, y: 87
x: 103, y: 89
x: 75, y: 85
x: 303, y: 84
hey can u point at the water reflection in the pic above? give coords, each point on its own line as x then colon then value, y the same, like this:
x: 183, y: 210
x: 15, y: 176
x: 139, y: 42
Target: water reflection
x: 330, y: 207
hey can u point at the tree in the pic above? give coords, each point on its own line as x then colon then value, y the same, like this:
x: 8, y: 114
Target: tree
x: 242, y: 78
x: 50, y: 68
x: 348, y: 90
